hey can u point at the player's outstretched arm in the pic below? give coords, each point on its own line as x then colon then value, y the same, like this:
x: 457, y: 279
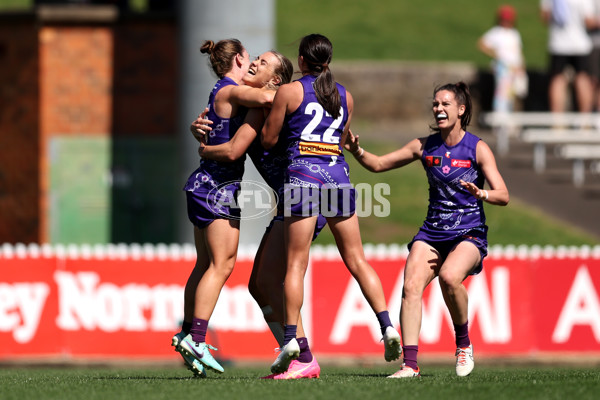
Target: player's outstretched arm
x: 410, y: 152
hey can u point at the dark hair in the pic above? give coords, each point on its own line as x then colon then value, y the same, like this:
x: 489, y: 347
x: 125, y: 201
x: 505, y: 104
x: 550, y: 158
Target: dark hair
x: 316, y: 50
x: 222, y: 54
x: 463, y: 97
x: 284, y: 70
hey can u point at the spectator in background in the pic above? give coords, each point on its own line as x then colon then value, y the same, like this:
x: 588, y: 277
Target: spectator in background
x: 595, y: 57
x: 569, y: 44
x: 504, y: 45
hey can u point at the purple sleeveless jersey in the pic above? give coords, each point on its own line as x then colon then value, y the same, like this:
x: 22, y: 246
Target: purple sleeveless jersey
x: 311, y: 133
x: 316, y: 161
x: 452, y: 211
x: 454, y: 214
x: 212, y: 188
x: 272, y: 166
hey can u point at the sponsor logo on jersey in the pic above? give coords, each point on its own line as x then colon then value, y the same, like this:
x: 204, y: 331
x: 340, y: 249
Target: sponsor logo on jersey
x: 308, y: 148
x: 433, y: 161
x: 460, y: 163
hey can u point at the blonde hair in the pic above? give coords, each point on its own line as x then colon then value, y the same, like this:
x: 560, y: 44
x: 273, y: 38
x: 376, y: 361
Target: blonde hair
x: 284, y: 70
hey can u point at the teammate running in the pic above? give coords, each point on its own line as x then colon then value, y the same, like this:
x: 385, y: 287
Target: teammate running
x: 452, y: 242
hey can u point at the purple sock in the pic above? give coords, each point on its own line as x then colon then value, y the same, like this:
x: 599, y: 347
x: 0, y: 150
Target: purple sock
x: 462, y: 335
x: 305, y: 354
x: 290, y: 333
x: 186, y: 327
x: 410, y: 356
x: 384, y: 320
x: 198, y: 330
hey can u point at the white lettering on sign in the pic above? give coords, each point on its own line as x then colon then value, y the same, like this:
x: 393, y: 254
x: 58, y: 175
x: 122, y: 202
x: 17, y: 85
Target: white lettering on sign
x: 86, y: 303
x: 434, y: 311
x: 354, y: 311
x: 21, y: 306
x: 582, y: 307
x: 236, y: 310
x: 491, y: 307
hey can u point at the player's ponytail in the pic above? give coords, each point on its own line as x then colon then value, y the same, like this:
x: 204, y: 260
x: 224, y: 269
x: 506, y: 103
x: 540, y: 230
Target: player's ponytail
x: 316, y: 50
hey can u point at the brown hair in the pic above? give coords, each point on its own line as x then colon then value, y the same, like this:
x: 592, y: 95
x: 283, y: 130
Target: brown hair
x: 222, y: 54
x: 316, y: 50
x: 463, y: 98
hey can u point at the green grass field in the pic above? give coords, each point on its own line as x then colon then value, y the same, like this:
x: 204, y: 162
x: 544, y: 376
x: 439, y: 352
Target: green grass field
x: 437, y: 382
x: 407, y: 30
x: 394, y: 29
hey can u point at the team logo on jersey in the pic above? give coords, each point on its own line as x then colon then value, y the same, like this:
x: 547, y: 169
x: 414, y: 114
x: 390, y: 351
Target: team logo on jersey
x: 433, y: 161
x: 461, y: 163
x: 319, y: 149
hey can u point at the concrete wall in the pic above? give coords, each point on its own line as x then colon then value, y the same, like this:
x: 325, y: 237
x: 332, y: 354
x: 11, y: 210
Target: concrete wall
x: 398, y: 90
x: 76, y: 72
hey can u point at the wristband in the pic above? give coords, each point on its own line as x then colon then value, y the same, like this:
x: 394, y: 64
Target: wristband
x: 360, y: 152
x: 486, y: 194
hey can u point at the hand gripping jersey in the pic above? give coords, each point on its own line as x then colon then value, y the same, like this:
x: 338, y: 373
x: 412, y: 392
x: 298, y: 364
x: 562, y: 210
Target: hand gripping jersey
x: 315, y: 157
x: 213, y: 187
x: 453, y: 211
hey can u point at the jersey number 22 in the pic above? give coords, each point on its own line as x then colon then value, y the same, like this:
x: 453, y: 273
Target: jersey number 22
x: 317, y: 111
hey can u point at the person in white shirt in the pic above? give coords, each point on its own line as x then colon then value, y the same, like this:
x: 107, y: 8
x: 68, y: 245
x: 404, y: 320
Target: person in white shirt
x: 595, y: 57
x: 569, y: 44
x: 503, y: 44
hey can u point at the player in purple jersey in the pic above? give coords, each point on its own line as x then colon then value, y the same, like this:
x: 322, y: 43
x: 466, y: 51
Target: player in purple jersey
x: 313, y: 115
x: 452, y: 242
x: 266, y: 280
x: 210, y: 192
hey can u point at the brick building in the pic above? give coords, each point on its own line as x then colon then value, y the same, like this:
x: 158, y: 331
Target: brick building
x: 88, y: 125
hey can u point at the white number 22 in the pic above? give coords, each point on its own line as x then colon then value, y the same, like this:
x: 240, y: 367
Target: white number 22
x: 317, y: 111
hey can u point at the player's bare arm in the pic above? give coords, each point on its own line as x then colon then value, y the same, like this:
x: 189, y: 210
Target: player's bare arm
x: 498, y: 192
x: 239, y: 143
x: 252, y: 97
x: 405, y: 155
x: 280, y: 108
